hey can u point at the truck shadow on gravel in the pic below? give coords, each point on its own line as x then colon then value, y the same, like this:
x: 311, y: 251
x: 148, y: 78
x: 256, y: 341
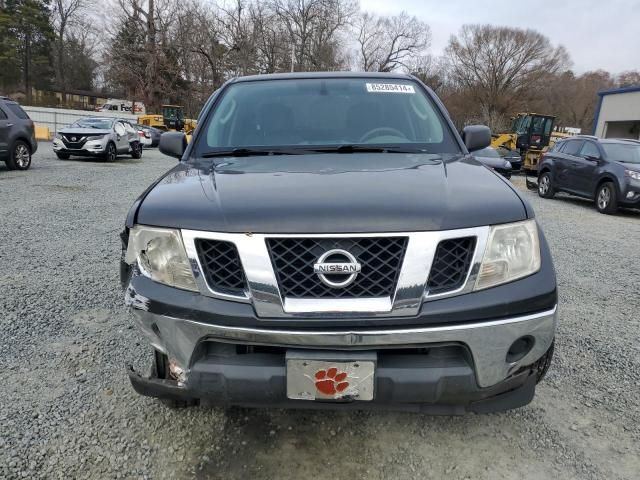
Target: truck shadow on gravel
x: 266, y: 444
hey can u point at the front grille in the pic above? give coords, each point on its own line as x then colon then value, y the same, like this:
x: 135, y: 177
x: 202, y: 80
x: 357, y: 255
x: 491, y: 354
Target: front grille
x: 78, y: 143
x: 380, y: 257
x: 451, y: 264
x: 221, y: 266
x: 80, y: 139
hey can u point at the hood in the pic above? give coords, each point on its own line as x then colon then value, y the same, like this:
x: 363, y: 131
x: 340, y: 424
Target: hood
x: 630, y: 166
x: 331, y: 193
x: 84, y: 131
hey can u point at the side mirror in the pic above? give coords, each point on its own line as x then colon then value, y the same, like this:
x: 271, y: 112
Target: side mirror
x: 476, y: 137
x: 173, y: 144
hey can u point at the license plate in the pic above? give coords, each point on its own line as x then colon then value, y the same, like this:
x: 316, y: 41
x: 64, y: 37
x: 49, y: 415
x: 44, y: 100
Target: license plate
x: 328, y: 380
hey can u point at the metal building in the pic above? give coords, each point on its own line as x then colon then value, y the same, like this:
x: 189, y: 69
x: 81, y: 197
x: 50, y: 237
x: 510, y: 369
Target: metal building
x: 618, y: 113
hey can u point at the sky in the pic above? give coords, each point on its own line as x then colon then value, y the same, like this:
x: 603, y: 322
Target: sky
x: 598, y: 34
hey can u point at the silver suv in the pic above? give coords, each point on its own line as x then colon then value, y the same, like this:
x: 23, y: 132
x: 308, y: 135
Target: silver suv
x: 17, y: 135
x: 97, y: 136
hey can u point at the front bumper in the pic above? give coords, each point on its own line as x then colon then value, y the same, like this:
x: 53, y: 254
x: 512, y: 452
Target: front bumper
x: 463, y: 367
x: 89, y: 148
x: 630, y: 195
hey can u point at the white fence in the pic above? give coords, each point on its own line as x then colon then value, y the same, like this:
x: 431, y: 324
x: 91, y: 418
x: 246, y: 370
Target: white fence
x: 57, y: 118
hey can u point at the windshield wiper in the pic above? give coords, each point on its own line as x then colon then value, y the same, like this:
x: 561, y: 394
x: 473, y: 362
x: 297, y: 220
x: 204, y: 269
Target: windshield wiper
x: 248, y: 152
x: 350, y: 148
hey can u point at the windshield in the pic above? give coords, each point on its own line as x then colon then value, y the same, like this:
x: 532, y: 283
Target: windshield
x: 622, y: 152
x: 102, y: 123
x: 487, y: 152
x: 172, y: 113
x: 327, y: 112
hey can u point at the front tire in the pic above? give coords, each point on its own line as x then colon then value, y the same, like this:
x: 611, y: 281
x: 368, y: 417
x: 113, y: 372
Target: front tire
x: 607, y: 198
x: 111, y: 154
x: 19, y: 157
x: 545, y: 186
x: 63, y: 156
x: 136, y: 150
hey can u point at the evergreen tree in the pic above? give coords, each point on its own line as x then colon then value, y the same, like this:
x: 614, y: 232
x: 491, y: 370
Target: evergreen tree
x: 25, y: 41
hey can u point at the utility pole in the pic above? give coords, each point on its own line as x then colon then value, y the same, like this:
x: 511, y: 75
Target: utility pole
x: 293, y: 56
x: 27, y: 64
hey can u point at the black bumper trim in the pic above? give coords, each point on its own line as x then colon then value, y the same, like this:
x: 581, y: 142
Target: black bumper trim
x: 514, y: 392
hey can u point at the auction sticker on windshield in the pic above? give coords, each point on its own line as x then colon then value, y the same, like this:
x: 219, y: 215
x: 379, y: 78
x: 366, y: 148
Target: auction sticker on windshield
x: 389, y: 88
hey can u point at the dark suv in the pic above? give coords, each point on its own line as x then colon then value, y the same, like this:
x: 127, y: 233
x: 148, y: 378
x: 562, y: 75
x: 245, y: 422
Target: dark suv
x: 17, y: 135
x: 604, y: 170
x: 327, y: 240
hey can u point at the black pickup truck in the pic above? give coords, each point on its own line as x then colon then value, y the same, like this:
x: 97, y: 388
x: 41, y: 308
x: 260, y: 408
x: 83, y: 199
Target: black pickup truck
x: 328, y: 241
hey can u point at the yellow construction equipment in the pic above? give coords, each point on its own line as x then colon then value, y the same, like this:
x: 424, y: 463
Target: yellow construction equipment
x: 531, y: 135
x: 172, y: 119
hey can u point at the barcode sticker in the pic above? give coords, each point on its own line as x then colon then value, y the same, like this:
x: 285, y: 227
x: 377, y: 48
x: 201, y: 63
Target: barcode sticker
x: 390, y: 88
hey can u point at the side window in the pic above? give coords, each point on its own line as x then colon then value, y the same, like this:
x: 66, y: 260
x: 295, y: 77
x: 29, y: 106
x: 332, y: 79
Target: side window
x: 572, y: 147
x: 590, y: 149
x: 3, y: 116
x: 18, y: 111
x: 119, y: 129
x: 557, y: 147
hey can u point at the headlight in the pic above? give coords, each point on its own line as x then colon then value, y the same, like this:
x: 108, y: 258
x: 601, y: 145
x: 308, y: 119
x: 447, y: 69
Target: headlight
x: 161, y: 256
x: 512, y: 252
x: 633, y: 174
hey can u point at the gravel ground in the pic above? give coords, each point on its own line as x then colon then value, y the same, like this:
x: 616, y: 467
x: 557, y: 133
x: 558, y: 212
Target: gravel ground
x: 68, y: 411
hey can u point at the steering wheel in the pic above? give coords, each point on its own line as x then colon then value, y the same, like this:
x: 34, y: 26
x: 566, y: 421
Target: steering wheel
x: 379, y: 132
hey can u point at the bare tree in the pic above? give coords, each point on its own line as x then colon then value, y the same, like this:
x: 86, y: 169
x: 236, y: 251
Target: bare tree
x: 237, y: 35
x: 498, y: 64
x: 388, y: 43
x: 271, y: 40
x: 628, y: 79
x: 63, y: 12
x: 313, y: 27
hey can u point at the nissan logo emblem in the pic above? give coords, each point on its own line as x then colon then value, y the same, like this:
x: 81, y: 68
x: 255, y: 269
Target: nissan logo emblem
x: 337, y: 263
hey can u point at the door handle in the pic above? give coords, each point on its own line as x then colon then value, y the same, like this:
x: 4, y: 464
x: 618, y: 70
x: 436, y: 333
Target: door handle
x: 9, y: 124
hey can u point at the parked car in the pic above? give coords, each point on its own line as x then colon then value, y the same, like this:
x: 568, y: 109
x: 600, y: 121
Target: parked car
x: 514, y: 158
x: 17, y: 135
x: 151, y: 135
x: 491, y: 158
x: 606, y: 171
x: 327, y: 240
x: 99, y: 137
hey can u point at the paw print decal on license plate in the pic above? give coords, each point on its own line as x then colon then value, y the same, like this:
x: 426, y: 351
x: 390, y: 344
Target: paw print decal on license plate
x: 326, y: 380
x: 331, y: 381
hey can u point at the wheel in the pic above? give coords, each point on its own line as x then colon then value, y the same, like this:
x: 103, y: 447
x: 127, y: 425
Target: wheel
x: 542, y: 365
x: 111, y: 153
x: 19, y: 157
x: 160, y: 369
x: 136, y: 150
x: 545, y: 186
x: 63, y: 156
x: 606, y: 198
